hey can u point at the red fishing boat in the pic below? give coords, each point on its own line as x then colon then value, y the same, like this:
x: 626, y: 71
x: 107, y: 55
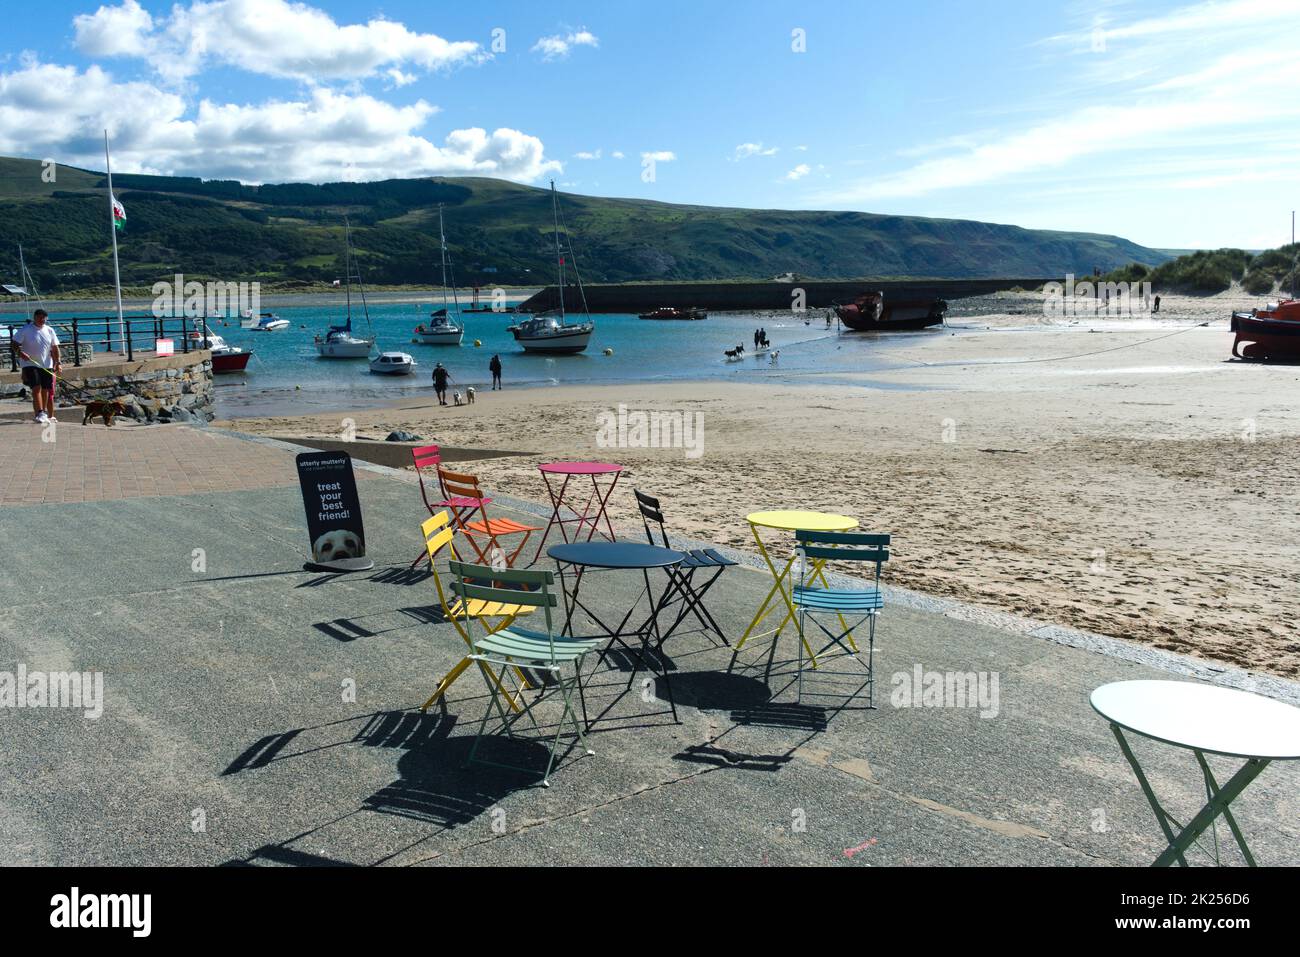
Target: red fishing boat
x: 1272, y: 333
x: 225, y: 358
x: 872, y: 313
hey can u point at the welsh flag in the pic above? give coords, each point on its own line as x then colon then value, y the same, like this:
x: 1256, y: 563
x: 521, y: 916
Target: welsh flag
x: 119, y: 214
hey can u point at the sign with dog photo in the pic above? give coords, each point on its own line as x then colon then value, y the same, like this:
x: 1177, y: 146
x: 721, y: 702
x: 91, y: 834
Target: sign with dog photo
x: 329, y: 495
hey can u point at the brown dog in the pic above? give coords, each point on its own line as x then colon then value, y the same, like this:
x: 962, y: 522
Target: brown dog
x: 107, y: 408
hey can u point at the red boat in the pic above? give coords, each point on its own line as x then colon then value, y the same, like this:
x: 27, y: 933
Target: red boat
x: 1272, y: 333
x: 871, y: 313
x: 225, y: 358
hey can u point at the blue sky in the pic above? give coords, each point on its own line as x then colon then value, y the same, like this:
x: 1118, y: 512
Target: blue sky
x: 1171, y: 123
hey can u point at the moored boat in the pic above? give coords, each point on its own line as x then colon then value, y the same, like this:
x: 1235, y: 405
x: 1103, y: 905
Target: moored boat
x: 338, y: 341
x: 550, y: 332
x: 1270, y: 333
x: 443, y: 330
x: 871, y: 312
x: 225, y: 357
x: 392, y: 363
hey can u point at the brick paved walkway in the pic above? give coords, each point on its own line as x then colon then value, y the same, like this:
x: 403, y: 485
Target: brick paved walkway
x: 87, y: 463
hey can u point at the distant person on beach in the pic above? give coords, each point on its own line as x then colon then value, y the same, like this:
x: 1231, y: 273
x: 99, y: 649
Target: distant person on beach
x: 37, y: 345
x: 440, y: 377
x: 758, y: 338
x: 1157, y: 308
x: 495, y: 368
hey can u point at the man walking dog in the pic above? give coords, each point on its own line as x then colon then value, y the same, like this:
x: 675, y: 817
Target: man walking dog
x: 37, y: 345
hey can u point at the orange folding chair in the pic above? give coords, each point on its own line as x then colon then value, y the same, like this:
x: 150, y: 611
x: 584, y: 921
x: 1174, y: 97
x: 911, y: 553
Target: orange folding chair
x: 483, y: 533
x: 492, y: 615
x: 429, y: 457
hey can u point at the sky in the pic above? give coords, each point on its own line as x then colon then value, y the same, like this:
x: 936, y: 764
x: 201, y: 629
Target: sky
x: 1170, y: 123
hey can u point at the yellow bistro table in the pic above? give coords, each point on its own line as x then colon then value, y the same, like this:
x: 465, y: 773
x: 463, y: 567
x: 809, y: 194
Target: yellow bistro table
x: 791, y: 521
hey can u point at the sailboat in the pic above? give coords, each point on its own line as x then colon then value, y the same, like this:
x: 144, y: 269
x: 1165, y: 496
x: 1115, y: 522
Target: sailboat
x: 549, y: 332
x: 443, y: 330
x: 338, y: 341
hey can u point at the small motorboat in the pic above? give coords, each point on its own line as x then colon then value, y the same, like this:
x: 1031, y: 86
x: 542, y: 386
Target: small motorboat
x: 548, y: 333
x: 266, y: 322
x: 441, y: 331
x: 1269, y: 333
x: 871, y: 312
x: 672, y: 312
x: 225, y: 357
x: 392, y: 363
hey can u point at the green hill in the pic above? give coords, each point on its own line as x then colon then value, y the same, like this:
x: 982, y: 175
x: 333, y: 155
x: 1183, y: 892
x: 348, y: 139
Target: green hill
x: 498, y: 233
x: 1210, y: 271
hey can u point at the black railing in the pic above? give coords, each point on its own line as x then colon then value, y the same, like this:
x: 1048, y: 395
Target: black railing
x: 104, y: 334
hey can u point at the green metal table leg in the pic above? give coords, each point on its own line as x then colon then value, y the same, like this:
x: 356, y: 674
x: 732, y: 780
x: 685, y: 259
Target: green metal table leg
x: 1161, y: 816
x: 1232, y: 821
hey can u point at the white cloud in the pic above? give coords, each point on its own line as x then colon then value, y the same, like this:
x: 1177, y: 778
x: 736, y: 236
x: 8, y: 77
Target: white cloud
x: 662, y: 156
x: 114, y: 31
x: 746, y: 150
x: 617, y: 154
x: 399, y: 78
x: 269, y: 37
x: 799, y: 172
x: 560, y: 45
x: 1178, y: 85
x: 59, y: 111
x: 587, y: 155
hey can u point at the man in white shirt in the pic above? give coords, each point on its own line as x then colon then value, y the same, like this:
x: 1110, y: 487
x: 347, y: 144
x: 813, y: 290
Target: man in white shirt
x: 38, y: 347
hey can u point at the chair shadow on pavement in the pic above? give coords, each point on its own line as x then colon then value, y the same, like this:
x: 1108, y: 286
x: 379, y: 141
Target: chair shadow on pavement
x: 380, y: 623
x: 434, y: 786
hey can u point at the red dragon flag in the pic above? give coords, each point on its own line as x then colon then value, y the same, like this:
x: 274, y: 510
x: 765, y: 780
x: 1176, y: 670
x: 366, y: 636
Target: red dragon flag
x: 119, y: 214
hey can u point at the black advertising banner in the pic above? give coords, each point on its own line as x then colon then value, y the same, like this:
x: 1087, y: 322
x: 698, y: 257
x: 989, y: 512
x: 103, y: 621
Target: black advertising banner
x: 329, y: 495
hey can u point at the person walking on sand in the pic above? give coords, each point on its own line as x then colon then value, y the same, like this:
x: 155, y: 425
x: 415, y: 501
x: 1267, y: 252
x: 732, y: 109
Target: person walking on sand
x: 757, y: 339
x: 495, y: 368
x: 37, y: 345
x: 440, y: 377
x: 1157, y: 308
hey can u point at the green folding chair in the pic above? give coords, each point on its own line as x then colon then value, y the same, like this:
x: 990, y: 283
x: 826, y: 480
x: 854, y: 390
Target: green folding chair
x: 516, y: 647
x: 858, y: 604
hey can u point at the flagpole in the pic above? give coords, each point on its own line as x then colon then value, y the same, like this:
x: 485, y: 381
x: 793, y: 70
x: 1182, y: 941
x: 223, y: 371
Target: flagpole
x: 112, y: 229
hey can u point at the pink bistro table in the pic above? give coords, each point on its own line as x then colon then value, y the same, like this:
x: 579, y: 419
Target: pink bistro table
x: 591, y: 514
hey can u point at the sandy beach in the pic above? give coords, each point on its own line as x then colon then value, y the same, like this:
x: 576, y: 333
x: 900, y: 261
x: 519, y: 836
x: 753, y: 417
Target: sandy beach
x: 1127, y: 481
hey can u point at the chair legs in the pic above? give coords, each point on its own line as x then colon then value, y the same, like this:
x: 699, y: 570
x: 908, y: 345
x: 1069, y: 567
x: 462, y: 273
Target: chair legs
x: 568, y: 717
x: 818, y: 661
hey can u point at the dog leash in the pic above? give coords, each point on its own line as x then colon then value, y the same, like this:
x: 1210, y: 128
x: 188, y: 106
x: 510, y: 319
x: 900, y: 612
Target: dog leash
x: 59, y: 380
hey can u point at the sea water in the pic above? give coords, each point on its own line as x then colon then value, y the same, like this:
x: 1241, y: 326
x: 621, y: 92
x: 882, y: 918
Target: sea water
x: 287, y: 376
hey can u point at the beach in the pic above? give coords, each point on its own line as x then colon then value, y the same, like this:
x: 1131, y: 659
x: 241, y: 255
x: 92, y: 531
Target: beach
x: 1116, y: 477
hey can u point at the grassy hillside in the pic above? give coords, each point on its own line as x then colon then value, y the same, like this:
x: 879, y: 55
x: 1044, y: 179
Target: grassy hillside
x: 498, y: 233
x: 1210, y: 271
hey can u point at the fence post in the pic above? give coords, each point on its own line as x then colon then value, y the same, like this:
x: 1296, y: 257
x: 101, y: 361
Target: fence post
x: 13, y: 353
x: 130, y: 350
x: 76, y: 345
x: 185, y: 332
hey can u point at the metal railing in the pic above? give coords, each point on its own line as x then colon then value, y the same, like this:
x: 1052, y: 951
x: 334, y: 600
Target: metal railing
x: 103, y: 334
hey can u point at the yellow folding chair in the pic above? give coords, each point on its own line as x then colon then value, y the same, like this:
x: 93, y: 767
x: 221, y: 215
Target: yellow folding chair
x: 492, y: 615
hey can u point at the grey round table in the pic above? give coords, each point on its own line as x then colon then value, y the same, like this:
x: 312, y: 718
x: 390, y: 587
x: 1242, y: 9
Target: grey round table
x: 619, y: 556
x: 1204, y: 719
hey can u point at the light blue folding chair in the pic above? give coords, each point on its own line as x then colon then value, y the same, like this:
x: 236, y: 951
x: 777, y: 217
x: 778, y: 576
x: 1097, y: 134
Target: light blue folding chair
x: 814, y: 550
x: 515, y: 647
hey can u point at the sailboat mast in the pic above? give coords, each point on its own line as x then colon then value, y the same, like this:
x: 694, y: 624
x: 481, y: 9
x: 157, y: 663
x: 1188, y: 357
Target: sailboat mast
x: 112, y: 231
x: 442, y: 239
x: 347, y: 268
x: 22, y: 275
x: 559, y: 253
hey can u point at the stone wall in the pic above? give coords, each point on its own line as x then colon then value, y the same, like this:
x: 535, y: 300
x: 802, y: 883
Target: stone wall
x: 160, y: 389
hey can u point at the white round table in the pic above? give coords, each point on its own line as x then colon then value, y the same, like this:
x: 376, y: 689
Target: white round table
x: 1204, y: 719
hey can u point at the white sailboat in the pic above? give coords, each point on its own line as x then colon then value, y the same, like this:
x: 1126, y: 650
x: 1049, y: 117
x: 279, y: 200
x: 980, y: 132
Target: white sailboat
x: 338, y: 341
x: 549, y: 332
x: 443, y: 329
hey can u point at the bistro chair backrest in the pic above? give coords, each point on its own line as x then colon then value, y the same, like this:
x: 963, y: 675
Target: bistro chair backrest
x: 426, y: 456
x: 484, y: 582
x: 842, y: 547
x: 651, y: 512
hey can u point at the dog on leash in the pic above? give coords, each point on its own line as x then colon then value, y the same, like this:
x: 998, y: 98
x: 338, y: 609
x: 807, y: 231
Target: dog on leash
x: 469, y: 395
x: 456, y: 398
x: 106, y: 409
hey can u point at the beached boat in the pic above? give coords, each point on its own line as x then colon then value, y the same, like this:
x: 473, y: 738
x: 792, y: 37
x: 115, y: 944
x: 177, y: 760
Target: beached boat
x: 225, y: 357
x: 392, y: 363
x: 550, y: 332
x: 872, y: 313
x: 672, y: 312
x: 1270, y: 333
x: 338, y: 341
x: 444, y: 330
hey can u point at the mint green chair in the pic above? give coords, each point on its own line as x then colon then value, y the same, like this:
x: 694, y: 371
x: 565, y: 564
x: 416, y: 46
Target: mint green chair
x: 516, y: 647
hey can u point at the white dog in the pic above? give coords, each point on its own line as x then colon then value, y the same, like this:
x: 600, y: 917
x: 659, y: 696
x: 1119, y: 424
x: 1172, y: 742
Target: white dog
x: 469, y: 395
x: 337, y: 544
x: 456, y: 399
x: 776, y: 355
